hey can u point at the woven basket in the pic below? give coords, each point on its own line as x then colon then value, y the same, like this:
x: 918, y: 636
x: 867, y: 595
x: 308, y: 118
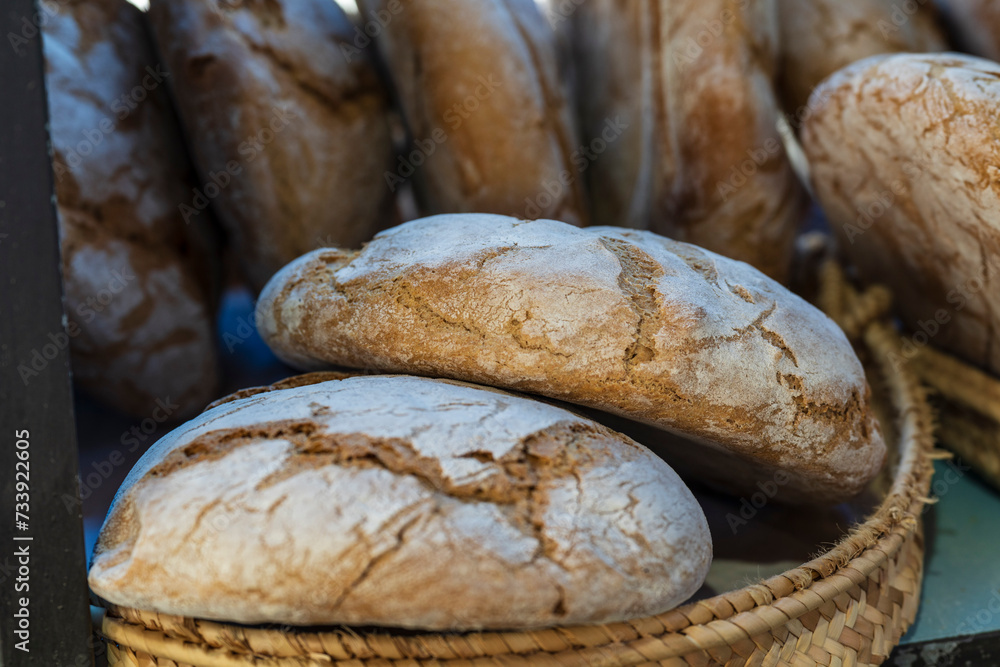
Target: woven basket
x: 849, y: 606
x: 967, y: 401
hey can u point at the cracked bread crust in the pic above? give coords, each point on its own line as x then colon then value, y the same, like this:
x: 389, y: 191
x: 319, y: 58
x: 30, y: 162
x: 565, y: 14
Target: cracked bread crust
x: 137, y: 280
x: 701, y: 160
x: 905, y: 158
x: 485, y: 75
x: 619, y: 320
x: 400, y: 502
x: 277, y: 88
x: 819, y: 37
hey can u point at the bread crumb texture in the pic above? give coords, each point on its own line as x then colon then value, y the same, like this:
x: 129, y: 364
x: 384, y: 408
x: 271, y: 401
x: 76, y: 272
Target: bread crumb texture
x: 620, y: 320
x: 905, y: 154
x: 405, y: 502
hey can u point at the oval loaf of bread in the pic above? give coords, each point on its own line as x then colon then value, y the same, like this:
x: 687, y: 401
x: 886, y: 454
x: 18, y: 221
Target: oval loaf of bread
x: 905, y: 157
x: 403, y: 502
x: 137, y: 279
x: 620, y: 320
x: 699, y: 158
x: 288, y: 124
x: 479, y: 88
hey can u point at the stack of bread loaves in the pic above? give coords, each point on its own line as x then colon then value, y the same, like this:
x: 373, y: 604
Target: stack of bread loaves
x: 463, y: 475
x: 430, y: 503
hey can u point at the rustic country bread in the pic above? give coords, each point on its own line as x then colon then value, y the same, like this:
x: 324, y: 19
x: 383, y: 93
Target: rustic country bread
x: 819, y: 37
x: 287, y: 124
x: 905, y: 155
x: 404, y: 502
x: 975, y: 25
x: 621, y: 320
x: 136, y: 278
x: 701, y: 159
x: 478, y: 84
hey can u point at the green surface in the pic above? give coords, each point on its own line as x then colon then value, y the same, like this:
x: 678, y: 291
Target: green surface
x: 961, y: 593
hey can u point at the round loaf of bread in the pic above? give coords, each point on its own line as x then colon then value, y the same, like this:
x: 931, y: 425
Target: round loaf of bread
x: 479, y: 88
x: 404, y: 502
x: 905, y: 156
x: 620, y: 320
x: 818, y: 37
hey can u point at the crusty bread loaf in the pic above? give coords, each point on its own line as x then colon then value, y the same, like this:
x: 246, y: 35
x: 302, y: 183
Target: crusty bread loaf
x: 905, y: 155
x: 620, y: 320
x: 287, y: 122
x: 479, y: 89
x: 975, y: 25
x: 136, y: 278
x: 701, y: 159
x: 401, y: 502
x: 819, y: 37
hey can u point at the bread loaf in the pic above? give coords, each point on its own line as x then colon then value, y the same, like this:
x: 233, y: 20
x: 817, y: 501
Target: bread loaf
x: 819, y: 37
x: 491, y: 128
x: 400, y: 502
x: 905, y: 155
x: 620, y: 320
x: 701, y: 159
x: 287, y: 122
x: 137, y: 280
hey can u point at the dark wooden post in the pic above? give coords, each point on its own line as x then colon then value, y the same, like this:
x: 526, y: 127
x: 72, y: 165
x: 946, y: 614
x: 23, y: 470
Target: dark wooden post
x: 42, y: 560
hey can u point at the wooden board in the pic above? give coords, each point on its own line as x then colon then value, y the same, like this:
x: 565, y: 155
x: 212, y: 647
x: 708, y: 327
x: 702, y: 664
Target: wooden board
x: 35, y: 396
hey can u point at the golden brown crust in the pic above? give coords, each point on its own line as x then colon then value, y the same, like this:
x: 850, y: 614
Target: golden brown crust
x: 904, y: 156
x: 701, y: 159
x: 619, y: 320
x: 320, y: 504
x: 137, y: 279
x: 289, y: 116
x: 819, y: 37
x: 479, y: 88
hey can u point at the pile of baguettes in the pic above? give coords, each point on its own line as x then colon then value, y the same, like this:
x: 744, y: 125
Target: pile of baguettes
x: 416, y: 499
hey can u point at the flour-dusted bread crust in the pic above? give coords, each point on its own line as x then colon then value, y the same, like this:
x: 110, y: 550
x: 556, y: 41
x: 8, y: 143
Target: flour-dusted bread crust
x: 478, y: 85
x: 819, y: 37
x: 621, y: 320
x: 701, y: 159
x: 905, y: 155
x: 136, y: 278
x: 403, y: 502
x: 287, y: 122
x: 975, y: 25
